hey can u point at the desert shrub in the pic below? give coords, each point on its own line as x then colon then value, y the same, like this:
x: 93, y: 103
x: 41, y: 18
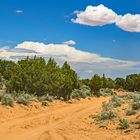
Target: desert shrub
x: 46, y: 98
x: 61, y: 98
x: 24, y: 99
x: 136, y: 92
x: 130, y: 111
x: 107, y: 113
x: 127, y: 96
x: 83, y: 92
x: 136, y: 97
x: 105, y: 92
x: 45, y: 103
x: 123, y: 123
x: 7, y: 100
x: 96, y: 94
x: 116, y: 101
x: 136, y: 105
x: 136, y: 102
x: 1, y: 95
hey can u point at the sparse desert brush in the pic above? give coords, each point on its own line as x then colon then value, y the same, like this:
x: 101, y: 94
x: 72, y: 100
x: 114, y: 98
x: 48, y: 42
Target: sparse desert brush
x: 136, y: 102
x: 61, y: 99
x: 83, y: 92
x: 1, y: 95
x: 130, y: 111
x: 107, y: 113
x: 106, y: 92
x: 46, y: 98
x: 45, y: 103
x: 123, y: 124
x: 116, y: 101
x: 127, y: 96
x: 7, y: 100
x: 136, y: 92
x: 24, y: 99
x: 136, y: 105
x: 136, y: 97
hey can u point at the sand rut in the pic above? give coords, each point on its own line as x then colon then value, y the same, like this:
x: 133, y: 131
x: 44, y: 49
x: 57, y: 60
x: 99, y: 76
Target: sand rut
x: 65, y: 122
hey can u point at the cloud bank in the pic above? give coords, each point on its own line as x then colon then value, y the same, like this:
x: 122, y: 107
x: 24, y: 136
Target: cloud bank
x: 86, y: 64
x: 101, y: 15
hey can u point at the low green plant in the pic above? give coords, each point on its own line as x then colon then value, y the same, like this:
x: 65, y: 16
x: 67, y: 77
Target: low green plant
x: 136, y: 105
x: 128, y: 96
x: 136, y: 97
x: 130, y: 111
x: 1, y: 95
x: 83, y: 92
x: 105, y: 92
x: 117, y: 102
x: 24, y: 99
x: 123, y: 123
x: 136, y: 102
x: 46, y: 98
x: 7, y: 100
x: 61, y: 98
x: 45, y: 103
x: 107, y: 113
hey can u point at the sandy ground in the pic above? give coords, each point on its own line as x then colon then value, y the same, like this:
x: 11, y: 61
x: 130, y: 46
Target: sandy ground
x: 59, y: 121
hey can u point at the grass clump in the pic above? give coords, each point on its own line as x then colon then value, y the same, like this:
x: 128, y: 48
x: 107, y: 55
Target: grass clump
x: 123, y: 123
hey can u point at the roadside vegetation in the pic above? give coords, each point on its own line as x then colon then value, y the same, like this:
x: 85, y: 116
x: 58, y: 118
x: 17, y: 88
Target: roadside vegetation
x: 121, y: 111
x: 35, y: 79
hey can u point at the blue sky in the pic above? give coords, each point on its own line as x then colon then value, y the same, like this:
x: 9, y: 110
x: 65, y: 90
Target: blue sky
x: 49, y: 21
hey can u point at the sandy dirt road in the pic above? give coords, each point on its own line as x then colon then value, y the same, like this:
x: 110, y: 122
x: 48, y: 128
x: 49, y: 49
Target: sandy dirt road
x: 60, y: 121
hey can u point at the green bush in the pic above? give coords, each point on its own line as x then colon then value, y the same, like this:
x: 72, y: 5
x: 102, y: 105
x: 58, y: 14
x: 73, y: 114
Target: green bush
x: 130, y: 111
x: 105, y: 92
x: 127, y: 96
x: 1, y: 95
x: 136, y: 105
x: 24, y: 99
x: 117, y: 102
x: 83, y: 92
x: 124, y: 124
x: 7, y: 100
x: 46, y: 98
x: 136, y: 102
x: 45, y: 103
x: 61, y: 98
x: 107, y: 113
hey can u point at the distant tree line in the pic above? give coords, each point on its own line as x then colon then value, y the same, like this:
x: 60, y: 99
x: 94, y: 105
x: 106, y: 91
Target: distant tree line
x: 36, y: 77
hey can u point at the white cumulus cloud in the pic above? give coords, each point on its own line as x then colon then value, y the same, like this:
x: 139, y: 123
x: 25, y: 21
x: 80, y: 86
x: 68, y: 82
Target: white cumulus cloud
x: 101, y: 15
x: 129, y: 22
x: 95, y: 16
